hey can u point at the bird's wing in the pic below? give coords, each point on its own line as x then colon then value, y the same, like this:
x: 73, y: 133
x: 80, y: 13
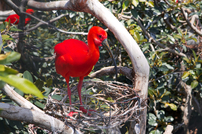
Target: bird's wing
x: 70, y: 54
x: 72, y: 47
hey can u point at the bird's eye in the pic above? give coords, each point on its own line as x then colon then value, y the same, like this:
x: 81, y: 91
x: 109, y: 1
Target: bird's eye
x: 100, y: 36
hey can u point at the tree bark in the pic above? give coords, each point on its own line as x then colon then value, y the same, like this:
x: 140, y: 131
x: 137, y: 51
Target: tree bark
x: 50, y: 123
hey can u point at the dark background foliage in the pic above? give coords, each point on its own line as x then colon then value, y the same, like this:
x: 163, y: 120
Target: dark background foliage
x: 150, y: 23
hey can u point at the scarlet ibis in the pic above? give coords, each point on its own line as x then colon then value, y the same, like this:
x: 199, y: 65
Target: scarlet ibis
x: 76, y: 59
x: 14, y: 18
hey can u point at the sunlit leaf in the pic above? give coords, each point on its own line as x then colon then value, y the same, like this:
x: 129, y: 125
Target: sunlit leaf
x: 194, y: 84
x: 150, y: 3
x: 2, y: 68
x: 22, y: 84
x: 171, y: 105
x: 13, y: 56
x: 187, y: 60
x: 125, y: 5
x: 152, y: 119
x: 185, y: 75
x: 169, y: 119
x: 135, y: 2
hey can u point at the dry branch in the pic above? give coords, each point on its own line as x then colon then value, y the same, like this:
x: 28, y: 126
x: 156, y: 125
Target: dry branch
x: 169, y: 129
x: 187, y: 107
x: 110, y: 70
x: 199, y: 32
x: 19, y: 99
x: 54, y: 125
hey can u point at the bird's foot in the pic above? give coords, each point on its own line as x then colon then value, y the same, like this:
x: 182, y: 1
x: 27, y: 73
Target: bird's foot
x: 86, y: 111
x: 70, y: 114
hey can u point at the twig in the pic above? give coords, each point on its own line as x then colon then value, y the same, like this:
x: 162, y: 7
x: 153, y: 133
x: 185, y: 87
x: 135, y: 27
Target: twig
x: 109, y: 70
x: 199, y: 32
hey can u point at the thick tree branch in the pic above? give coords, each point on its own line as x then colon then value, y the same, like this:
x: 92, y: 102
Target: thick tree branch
x: 54, y: 125
x: 19, y: 99
x: 13, y: 6
x: 187, y: 107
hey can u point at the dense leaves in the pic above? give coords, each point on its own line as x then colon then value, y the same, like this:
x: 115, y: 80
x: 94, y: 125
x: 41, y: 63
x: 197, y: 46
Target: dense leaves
x: 149, y: 23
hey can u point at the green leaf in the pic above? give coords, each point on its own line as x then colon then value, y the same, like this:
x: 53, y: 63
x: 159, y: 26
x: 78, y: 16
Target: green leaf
x: 169, y: 119
x: 185, y: 75
x: 2, y: 68
x: 134, y: 13
x: 167, y: 65
x: 9, y: 70
x: 160, y: 114
x: 152, y: 119
x: 135, y: 2
x: 171, y: 105
x: 187, y: 60
x: 126, y: 4
x: 57, y: 97
x: 194, y: 84
x: 177, y: 36
x: 155, y: 132
x: 22, y: 84
x: 150, y: 3
x: 28, y: 76
x: 39, y: 104
x: 5, y: 37
x: 13, y: 56
x: 15, y: 29
x: 137, y: 36
x: 171, y: 38
x: 49, y: 82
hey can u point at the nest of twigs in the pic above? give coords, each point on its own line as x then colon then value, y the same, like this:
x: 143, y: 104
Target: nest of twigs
x: 114, y: 103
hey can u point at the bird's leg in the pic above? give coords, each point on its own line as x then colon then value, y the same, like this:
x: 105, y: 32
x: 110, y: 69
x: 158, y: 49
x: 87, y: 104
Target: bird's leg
x: 69, y: 95
x: 68, y: 90
x: 80, y: 99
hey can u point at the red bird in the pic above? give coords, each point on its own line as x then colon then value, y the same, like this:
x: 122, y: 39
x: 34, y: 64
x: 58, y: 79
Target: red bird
x: 76, y: 59
x: 14, y: 18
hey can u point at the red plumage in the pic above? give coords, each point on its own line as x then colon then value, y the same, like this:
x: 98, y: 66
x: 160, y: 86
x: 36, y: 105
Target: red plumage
x: 14, y: 18
x: 76, y: 59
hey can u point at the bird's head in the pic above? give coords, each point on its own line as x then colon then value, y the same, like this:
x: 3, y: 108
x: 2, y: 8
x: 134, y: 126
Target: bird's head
x: 98, y: 35
x: 30, y: 11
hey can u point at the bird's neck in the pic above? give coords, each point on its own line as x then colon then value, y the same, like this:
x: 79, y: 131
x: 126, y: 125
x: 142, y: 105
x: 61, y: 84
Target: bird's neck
x: 93, y: 49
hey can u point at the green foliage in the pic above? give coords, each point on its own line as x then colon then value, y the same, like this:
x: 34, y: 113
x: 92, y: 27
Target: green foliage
x: 167, y: 70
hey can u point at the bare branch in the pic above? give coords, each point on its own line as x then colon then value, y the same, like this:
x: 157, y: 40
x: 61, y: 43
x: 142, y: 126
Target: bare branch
x: 41, y: 22
x: 13, y: 6
x: 199, y: 32
x: 19, y: 99
x: 187, y: 107
x: 169, y: 129
x: 110, y: 70
x: 54, y: 125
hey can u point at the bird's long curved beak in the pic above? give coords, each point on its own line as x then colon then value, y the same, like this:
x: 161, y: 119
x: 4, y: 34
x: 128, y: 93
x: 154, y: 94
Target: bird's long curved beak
x: 106, y: 45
